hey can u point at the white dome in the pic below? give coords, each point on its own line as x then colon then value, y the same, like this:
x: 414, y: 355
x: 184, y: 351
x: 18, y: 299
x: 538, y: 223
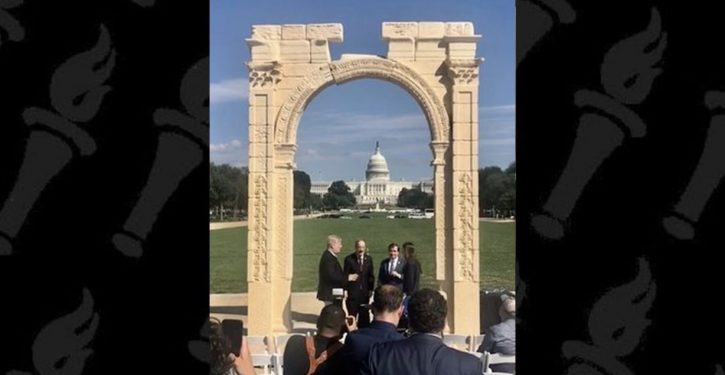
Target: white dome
x: 377, y: 167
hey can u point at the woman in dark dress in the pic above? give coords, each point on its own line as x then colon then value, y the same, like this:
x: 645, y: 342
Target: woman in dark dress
x: 411, y: 274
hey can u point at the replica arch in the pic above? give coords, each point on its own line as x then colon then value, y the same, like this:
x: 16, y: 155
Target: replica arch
x: 290, y: 64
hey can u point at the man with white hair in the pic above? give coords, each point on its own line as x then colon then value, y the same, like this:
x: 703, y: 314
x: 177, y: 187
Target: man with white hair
x: 501, y: 337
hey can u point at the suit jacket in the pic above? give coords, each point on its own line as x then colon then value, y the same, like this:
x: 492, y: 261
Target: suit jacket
x: 358, y: 343
x: 384, y: 277
x: 330, y: 276
x: 420, y: 354
x: 360, y: 289
x: 411, y: 277
x: 501, y: 338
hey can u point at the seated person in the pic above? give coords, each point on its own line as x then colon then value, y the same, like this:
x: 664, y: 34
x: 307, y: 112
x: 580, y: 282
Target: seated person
x: 423, y: 353
x: 316, y: 354
x: 501, y: 337
x: 387, y: 308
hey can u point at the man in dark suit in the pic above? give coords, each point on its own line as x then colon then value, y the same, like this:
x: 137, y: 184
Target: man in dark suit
x: 359, y: 291
x: 387, y: 308
x: 391, y: 269
x: 330, y: 273
x: 423, y: 353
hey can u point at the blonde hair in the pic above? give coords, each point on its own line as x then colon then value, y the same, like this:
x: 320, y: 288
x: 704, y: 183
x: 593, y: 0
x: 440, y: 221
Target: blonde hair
x: 333, y: 238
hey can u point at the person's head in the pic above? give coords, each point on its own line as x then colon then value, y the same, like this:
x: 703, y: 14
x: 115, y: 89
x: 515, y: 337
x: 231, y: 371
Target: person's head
x: 409, y: 251
x: 427, y: 311
x: 334, y: 243
x: 393, y: 250
x: 387, y: 304
x: 360, y: 247
x: 330, y: 321
x: 406, y: 244
x: 219, y: 349
x: 507, y: 309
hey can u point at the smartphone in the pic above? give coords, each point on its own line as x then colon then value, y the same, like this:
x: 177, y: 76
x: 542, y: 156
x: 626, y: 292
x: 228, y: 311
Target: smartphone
x: 233, y: 330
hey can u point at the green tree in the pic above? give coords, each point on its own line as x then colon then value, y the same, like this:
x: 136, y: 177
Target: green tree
x: 302, y: 185
x: 415, y: 198
x: 228, y: 187
x: 338, y: 196
x: 497, y: 188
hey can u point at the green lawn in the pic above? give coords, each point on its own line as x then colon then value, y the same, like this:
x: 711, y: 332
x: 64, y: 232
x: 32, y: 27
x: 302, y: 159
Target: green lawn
x: 229, y: 263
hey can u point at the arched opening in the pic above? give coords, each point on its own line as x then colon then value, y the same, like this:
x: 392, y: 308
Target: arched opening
x: 446, y: 84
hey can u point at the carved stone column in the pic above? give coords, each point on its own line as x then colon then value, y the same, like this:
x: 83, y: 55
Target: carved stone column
x: 284, y: 237
x: 464, y: 318
x: 260, y: 252
x: 440, y: 192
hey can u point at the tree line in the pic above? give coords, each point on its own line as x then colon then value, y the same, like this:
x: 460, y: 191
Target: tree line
x: 228, y: 192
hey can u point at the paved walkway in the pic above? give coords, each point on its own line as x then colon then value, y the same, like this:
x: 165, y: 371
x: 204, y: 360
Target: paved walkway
x: 237, y: 224
x: 305, y: 309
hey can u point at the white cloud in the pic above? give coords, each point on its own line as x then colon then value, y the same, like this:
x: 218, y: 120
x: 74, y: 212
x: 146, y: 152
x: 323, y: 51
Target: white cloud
x: 508, y: 109
x: 226, y: 147
x: 229, y: 90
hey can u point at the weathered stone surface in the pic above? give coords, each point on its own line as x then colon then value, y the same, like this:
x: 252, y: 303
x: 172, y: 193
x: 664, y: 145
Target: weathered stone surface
x: 395, y: 30
x: 267, y: 32
x: 459, y: 29
x: 435, y: 62
x: 431, y: 30
x: 293, y: 32
x: 332, y: 32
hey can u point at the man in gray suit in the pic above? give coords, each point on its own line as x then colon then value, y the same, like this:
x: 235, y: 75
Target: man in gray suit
x: 501, y: 337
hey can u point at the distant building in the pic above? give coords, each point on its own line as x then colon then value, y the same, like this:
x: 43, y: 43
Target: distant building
x: 377, y: 186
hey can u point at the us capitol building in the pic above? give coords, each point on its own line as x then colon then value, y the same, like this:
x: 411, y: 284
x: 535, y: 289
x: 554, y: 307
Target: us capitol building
x: 377, y: 187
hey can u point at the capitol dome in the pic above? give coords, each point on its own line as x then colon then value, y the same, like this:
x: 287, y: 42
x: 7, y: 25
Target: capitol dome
x: 377, y: 166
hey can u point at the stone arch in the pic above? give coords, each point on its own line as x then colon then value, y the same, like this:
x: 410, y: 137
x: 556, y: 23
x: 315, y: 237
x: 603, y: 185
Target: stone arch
x: 434, y: 62
x: 339, y: 72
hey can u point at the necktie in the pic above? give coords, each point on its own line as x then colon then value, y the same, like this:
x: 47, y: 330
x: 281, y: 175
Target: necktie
x: 392, y: 266
x: 360, y: 263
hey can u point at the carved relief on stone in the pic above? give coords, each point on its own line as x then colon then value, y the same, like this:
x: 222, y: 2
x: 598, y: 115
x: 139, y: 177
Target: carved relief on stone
x: 260, y: 263
x: 264, y: 78
x: 465, y: 215
x: 459, y: 29
x: 400, y: 30
x: 296, y: 102
x: 463, y: 76
x: 341, y: 71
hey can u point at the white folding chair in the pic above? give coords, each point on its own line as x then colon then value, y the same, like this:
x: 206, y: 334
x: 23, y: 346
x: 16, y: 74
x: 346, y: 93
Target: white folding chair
x: 495, y: 359
x: 474, y: 342
x: 278, y: 364
x: 260, y: 349
x: 459, y: 342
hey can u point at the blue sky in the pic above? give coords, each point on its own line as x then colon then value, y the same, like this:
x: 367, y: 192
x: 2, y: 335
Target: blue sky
x: 339, y: 128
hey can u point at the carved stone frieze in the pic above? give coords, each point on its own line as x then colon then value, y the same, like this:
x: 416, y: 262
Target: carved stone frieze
x: 260, y: 262
x: 465, y: 216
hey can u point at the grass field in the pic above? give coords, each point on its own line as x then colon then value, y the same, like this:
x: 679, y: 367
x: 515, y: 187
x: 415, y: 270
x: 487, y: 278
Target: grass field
x: 229, y: 264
